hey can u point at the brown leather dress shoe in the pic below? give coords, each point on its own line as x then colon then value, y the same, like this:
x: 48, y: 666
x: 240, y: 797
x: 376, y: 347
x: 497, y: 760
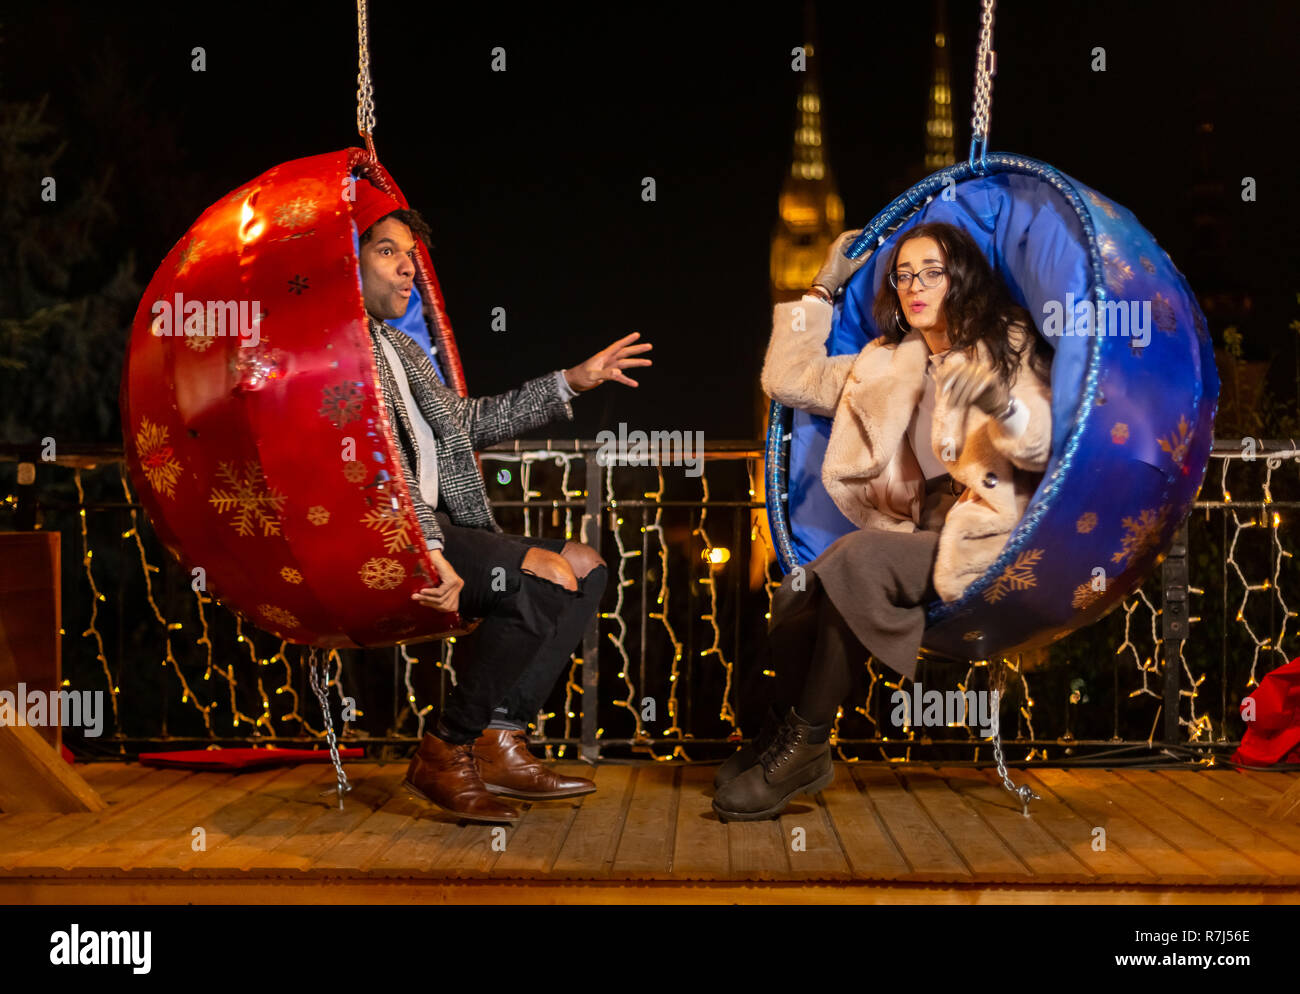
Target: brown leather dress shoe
x: 507, y: 767
x: 445, y: 774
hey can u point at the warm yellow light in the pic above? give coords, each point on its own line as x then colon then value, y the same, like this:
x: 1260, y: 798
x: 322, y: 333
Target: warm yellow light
x: 717, y: 555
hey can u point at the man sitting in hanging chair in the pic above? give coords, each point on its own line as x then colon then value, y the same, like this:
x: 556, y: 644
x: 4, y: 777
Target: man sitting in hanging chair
x: 535, y: 596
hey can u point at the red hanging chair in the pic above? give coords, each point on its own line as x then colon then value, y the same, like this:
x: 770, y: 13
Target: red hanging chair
x: 254, y: 428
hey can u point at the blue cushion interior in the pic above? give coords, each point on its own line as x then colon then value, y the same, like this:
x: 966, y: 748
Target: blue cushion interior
x: 1036, y: 244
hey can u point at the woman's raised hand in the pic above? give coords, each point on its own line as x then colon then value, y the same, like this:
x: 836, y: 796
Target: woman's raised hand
x: 838, y: 267
x: 975, y: 383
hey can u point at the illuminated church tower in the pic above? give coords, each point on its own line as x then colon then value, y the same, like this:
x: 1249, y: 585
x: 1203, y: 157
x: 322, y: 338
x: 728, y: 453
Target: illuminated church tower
x: 811, y: 212
x: 940, y: 146
x: 811, y: 215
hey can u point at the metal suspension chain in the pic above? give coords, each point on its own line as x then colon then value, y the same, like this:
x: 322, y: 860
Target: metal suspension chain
x: 365, y: 89
x: 319, y: 684
x: 997, y: 681
x: 986, y: 67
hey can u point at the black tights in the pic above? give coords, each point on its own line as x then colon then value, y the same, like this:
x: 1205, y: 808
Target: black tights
x: 806, y: 625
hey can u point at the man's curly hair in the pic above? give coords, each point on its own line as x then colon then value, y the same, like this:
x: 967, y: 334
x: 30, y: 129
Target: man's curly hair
x: 411, y: 218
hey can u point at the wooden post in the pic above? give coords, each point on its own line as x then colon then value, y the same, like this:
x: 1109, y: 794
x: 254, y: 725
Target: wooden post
x: 33, y: 777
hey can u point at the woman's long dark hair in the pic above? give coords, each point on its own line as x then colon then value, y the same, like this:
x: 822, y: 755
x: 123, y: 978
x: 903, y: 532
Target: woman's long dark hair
x: 977, y: 306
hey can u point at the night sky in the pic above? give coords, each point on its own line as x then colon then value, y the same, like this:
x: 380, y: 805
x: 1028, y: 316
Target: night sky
x: 531, y: 179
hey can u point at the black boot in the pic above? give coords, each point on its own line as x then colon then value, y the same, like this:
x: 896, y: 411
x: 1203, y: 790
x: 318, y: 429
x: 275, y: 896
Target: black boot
x: 797, y: 762
x: 747, y: 755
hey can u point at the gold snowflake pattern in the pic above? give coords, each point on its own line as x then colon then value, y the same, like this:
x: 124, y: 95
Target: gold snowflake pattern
x: 1148, y: 265
x: 318, y: 515
x: 1104, y: 204
x: 290, y: 575
x: 201, y: 343
x: 341, y: 404
x: 381, y: 573
x: 295, y: 213
x: 1086, y: 523
x: 1177, y: 442
x: 1085, y: 595
x: 391, y: 523
x: 279, y: 616
x: 1118, y: 273
x: 1106, y: 246
x: 157, y: 458
x: 1141, y: 535
x: 1119, y: 433
x: 353, y: 471
x: 1162, y: 312
x: 191, y: 252
x: 253, y: 503
x: 1018, y: 576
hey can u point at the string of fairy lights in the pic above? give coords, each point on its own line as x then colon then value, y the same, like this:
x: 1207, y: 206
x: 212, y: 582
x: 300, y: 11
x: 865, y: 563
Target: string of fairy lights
x: 278, y: 703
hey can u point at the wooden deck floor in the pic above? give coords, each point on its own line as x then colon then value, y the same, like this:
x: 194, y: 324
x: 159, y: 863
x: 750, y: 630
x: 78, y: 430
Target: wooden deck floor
x: 878, y: 834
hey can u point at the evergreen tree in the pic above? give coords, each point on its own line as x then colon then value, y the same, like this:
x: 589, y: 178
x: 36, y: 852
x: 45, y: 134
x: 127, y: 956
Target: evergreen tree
x: 65, y: 309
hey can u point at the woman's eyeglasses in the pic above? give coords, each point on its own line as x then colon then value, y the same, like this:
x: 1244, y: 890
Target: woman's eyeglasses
x: 927, y: 278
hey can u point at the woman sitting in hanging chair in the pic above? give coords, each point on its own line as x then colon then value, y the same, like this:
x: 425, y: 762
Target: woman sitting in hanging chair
x: 941, y: 432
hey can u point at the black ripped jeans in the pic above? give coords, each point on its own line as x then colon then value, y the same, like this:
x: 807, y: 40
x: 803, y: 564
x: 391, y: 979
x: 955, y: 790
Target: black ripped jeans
x: 529, y: 628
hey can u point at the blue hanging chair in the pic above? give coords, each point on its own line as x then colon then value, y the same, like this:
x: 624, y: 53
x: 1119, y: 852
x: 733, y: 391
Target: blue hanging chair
x: 1132, y: 418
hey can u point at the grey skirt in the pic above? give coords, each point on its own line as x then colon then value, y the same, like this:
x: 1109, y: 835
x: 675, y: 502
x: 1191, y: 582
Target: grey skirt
x: 880, y: 582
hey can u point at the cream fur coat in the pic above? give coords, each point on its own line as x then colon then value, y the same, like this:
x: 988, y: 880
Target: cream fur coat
x: 870, y: 471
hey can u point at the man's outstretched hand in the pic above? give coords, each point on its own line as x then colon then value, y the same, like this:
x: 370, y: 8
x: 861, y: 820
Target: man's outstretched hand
x: 608, y: 364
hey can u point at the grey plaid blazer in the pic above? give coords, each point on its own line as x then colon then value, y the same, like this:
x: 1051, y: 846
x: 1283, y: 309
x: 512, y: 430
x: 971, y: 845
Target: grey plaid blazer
x: 462, y: 425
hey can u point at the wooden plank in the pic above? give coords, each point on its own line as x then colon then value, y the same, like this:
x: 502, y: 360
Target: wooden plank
x: 33, y: 843
x: 34, y: 777
x: 926, y: 849
x: 470, y: 851
x: 1212, y: 787
x: 700, y: 848
x: 1243, y: 782
x: 115, y: 777
x: 757, y: 850
x: 1288, y: 805
x: 820, y: 857
x: 227, y: 823
x: 1280, y: 782
x: 980, y: 847
x: 1111, y: 865
x: 413, y: 853
x: 368, y: 841
x: 14, y: 827
x: 532, y: 847
x: 870, y: 852
x: 1226, y: 865
x: 94, y: 773
x: 372, y: 785
x: 645, y: 849
x: 1092, y: 803
x: 294, y: 808
x: 128, y: 822
x: 1230, y: 832
x: 589, y: 848
x: 518, y: 894
x: 166, y: 841
x: 1033, y: 845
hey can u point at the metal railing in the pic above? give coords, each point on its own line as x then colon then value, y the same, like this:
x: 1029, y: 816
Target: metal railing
x: 673, y: 659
